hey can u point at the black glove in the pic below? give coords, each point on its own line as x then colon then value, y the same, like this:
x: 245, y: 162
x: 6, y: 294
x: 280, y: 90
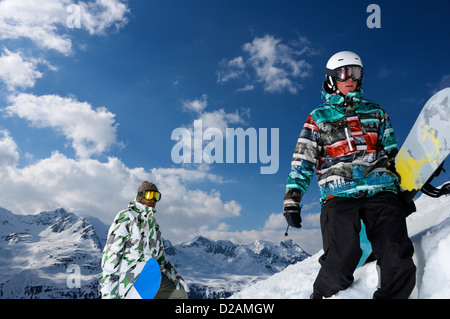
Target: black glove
x: 408, y: 202
x: 291, y: 208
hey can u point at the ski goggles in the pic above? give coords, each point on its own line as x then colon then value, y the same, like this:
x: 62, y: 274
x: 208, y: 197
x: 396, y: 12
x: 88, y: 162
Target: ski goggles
x: 149, y: 195
x: 346, y: 72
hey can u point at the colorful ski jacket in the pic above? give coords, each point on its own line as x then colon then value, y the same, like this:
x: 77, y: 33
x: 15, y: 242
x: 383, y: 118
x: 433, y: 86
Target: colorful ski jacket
x: 350, y: 143
x: 133, y: 239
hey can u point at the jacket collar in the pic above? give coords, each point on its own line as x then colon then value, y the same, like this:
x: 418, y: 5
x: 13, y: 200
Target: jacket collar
x: 143, y: 209
x: 338, y: 100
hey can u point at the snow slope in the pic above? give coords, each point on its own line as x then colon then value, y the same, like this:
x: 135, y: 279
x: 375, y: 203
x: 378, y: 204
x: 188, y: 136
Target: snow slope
x: 429, y: 229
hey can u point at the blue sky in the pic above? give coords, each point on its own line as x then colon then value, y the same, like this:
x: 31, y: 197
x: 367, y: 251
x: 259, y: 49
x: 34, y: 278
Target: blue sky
x: 87, y: 110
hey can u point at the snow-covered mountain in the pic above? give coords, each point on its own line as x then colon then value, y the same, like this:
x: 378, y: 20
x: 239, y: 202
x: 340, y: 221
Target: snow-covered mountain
x: 429, y: 229
x: 217, y: 269
x: 50, y: 255
x: 57, y: 255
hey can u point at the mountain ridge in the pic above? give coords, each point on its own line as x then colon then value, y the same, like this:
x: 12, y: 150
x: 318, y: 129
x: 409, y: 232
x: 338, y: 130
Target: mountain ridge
x: 42, y: 255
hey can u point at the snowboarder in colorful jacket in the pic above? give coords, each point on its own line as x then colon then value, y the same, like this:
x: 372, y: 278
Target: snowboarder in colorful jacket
x: 134, y: 238
x: 350, y: 143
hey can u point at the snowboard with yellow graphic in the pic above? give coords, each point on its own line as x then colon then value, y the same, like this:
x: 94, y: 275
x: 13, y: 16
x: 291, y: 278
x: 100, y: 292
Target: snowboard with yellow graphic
x: 421, y: 156
x: 427, y: 145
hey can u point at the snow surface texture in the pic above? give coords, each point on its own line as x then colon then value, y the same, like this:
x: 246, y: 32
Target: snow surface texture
x: 429, y: 229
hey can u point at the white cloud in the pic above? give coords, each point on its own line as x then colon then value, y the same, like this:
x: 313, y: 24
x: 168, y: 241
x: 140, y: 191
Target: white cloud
x: 102, y: 189
x: 16, y: 72
x: 100, y: 15
x: 220, y: 119
x: 275, y: 221
x: 91, y: 131
x: 35, y: 20
x: 275, y: 65
x: 45, y: 22
x: 231, y: 69
x: 196, y: 105
x: 184, y: 201
x: 248, y: 87
x: 8, y: 151
x: 215, y: 119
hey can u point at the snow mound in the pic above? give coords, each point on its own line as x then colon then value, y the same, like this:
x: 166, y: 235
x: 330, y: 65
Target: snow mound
x: 429, y: 229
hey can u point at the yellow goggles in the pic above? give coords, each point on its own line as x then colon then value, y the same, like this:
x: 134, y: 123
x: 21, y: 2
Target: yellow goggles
x: 149, y: 195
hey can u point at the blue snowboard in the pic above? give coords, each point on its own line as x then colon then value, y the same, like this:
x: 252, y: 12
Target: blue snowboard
x: 147, y: 283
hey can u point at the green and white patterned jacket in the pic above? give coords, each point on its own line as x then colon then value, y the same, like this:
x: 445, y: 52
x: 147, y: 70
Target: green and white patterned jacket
x: 133, y: 239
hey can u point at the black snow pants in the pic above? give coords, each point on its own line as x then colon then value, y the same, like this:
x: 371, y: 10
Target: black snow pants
x: 385, y: 220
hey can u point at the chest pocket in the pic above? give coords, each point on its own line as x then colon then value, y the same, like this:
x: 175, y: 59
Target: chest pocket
x: 357, y: 142
x: 338, y: 139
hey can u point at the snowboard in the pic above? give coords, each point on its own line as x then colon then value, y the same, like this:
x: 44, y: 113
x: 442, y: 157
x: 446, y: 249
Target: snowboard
x: 147, y: 283
x: 427, y: 145
x: 423, y: 152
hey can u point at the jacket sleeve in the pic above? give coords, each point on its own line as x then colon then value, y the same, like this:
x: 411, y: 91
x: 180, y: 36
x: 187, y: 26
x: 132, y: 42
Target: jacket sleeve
x: 112, y: 256
x: 305, y: 159
x: 388, y: 140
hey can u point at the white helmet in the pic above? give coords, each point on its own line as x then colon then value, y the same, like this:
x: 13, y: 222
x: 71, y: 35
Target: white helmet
x: 339, y: 60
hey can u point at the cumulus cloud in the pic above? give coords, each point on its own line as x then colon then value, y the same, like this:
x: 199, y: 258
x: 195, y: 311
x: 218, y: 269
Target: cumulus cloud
x: 185, y: 202
x: 207, y: 125
x: 8, y: 151
x: 45, y: 22
x: 18, y: 72
x: 269, y: 62
x: 196, y: 105
x: 91, y: 131
x: 215, y: 119
x: 101, y: 189
x: 231, y: 69
x: 100, y: 15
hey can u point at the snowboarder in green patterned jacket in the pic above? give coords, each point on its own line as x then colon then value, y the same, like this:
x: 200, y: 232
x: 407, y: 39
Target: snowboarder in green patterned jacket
x: 350, y: 143
x: 134, y: 237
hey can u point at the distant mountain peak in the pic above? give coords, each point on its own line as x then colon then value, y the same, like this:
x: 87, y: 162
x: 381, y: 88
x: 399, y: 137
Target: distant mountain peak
x: 37, y: 250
